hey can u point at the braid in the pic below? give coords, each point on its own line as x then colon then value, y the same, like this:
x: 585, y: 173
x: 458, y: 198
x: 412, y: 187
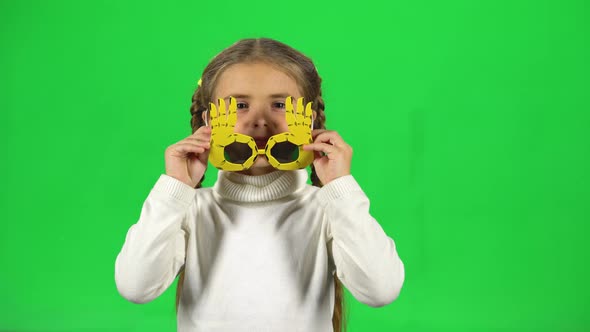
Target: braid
x: 338, y: 318
x: 318, y: 123
x: 198, y: 106
x: 197, y: 109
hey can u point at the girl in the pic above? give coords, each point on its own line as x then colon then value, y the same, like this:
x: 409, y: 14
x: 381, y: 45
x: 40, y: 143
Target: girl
x: 261, y: 250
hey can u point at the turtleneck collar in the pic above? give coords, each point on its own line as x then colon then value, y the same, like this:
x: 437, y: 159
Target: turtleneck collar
x: 259, y: 188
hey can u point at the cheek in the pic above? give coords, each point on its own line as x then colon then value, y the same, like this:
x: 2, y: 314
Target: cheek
x: 283, y: 127
x: 241, y: 122
x: 280, y: 122
x: 239, y: 129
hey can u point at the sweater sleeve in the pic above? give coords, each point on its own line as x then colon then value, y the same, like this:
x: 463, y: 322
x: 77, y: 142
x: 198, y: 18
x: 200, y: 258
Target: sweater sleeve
x: 154, y: 248
x: 366, y: 259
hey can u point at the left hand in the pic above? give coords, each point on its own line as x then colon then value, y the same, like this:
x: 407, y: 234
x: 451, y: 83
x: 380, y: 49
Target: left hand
x: 332, y: 156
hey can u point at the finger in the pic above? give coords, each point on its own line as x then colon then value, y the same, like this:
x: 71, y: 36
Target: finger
x: 299, y: 111
x: 222, y: 113
x: 307, y: 121
x: 327, y: 149
x: 289, y: 114
x: 330, y: 137
x: 200, y: 141
x: 205, y: 145
x: 308, y: 109
x: 203, y: 130
x: 318, y: 155
x: 214, y: 115
x: 232, y: 116
x: 185, y: 148
x: 316, y: 132
x: 204, y: 136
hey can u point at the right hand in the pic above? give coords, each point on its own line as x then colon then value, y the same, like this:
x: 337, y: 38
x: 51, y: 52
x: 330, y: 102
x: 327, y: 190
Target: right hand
x: 187, y: 160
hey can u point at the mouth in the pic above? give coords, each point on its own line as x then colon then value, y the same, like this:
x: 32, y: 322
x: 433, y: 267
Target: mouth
x: 261, y: 142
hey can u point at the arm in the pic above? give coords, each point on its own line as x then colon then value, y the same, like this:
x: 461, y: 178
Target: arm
x: 154, y: 248
x: 366, y: 259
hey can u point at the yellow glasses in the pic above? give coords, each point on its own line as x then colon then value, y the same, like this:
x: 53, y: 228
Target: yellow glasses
x: 232, y: 151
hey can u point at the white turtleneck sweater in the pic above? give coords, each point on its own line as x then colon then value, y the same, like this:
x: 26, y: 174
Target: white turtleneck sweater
x: 258, y: 252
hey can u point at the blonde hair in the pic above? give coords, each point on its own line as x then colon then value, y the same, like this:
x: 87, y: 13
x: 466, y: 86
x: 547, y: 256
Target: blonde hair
x: 303, y: 71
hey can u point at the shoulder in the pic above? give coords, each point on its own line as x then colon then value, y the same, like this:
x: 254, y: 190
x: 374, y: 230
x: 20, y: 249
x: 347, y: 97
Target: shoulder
x: 339, y: 193
x: 340, y: 189
x: 172, y: 189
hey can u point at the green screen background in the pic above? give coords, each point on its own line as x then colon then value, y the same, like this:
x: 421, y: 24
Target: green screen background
x: 469, y: 122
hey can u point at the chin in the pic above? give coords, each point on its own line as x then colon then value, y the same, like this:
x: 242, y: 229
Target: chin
x: 260, y: 167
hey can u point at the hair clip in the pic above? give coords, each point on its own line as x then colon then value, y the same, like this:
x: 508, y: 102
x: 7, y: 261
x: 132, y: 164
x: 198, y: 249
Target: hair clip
x: 199, y: 82
x: 206, y: 112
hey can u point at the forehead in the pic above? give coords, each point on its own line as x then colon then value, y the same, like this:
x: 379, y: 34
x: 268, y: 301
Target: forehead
x: 255, y: 79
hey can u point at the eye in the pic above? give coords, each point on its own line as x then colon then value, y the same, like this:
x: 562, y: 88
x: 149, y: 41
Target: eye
x: 279, y: 105
x: 241, y: 105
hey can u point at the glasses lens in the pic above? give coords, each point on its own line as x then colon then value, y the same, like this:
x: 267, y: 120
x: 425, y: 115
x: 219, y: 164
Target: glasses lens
x: 285, y: 152
x: 237, y: 153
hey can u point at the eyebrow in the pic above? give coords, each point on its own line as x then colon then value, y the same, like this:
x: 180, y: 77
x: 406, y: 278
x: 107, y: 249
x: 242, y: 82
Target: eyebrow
x: 274, y: 95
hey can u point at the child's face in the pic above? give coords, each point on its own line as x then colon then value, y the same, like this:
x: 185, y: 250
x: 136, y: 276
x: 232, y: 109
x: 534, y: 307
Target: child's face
x: 260, y: 91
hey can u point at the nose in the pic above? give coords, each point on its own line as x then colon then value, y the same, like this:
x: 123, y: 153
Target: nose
x: 257, y: 117
x: 259, y: 121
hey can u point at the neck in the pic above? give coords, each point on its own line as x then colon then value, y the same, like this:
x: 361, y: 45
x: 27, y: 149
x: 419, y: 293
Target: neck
x: 262, y: 188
